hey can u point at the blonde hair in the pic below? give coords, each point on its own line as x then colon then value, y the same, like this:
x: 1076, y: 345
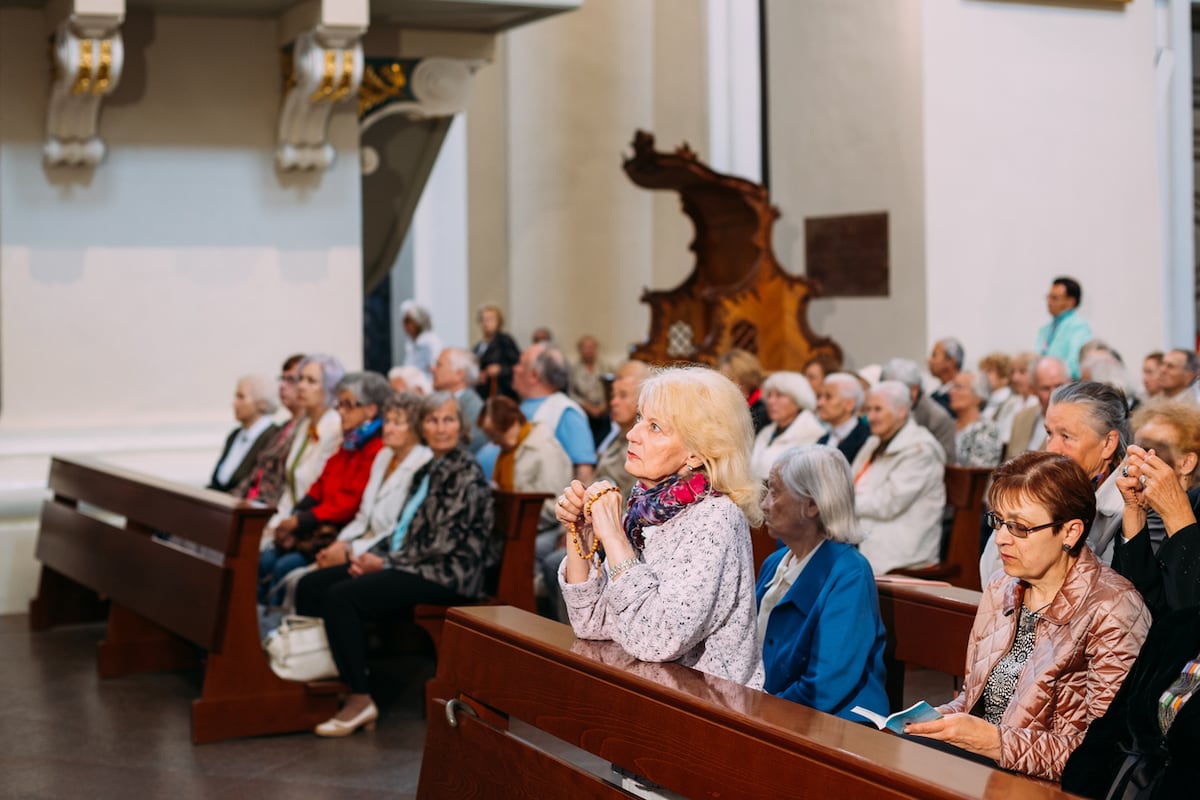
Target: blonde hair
x: 710, y: 415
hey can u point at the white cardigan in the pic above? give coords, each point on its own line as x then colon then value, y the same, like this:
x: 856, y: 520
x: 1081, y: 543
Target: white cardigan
x: 312, y: 462
x: 805, y: 429
x: 900, y: 499
x: 383, y: 500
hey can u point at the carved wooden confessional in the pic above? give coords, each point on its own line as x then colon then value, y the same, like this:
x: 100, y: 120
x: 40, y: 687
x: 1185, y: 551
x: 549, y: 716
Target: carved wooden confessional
x: 737, y: 295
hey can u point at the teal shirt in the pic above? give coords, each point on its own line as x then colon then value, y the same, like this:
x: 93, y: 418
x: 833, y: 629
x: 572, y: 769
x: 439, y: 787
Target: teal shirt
x: 1069, y: 334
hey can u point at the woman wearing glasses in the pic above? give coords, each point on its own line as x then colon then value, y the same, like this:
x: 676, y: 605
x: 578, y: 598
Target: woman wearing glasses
x: 333, y: 499
x: 1054, y: 636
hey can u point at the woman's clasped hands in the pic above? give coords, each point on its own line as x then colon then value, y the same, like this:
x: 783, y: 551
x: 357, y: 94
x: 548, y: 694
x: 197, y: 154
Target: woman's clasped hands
x: 1148, y: 482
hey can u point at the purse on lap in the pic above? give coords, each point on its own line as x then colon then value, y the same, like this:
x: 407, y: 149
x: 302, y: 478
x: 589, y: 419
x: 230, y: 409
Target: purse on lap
x: 299, y: 651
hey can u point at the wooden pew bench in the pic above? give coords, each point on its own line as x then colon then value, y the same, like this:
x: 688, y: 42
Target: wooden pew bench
x: 168, y: 600
x: 927, y: 626
x: 511, y: 584
x: 694, y: 734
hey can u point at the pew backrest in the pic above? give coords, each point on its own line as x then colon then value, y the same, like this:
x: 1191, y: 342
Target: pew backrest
x: 692, y: 733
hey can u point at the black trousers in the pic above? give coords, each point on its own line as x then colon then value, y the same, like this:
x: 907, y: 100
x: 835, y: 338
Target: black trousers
x: 347, y: 603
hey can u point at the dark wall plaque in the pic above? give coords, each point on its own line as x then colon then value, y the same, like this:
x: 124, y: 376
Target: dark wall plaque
x: 848, y: 255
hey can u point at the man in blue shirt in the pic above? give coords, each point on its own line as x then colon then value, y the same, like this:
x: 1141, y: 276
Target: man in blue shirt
x: 1063, y: 335
x: 540, y: 378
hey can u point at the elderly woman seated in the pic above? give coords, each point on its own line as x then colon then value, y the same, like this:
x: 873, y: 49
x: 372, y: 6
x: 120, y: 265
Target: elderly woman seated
x: 398, y: 460
x: 438, y: 552
x: 977, y: 440
x: 253, y: 405
x: 333, y: 500
x: 899, y: 484
x: 790, y: 403
x: 677, y: 580
x: 318, y: 435
x: 1159, y: 549
x: 531, y: 459
x: 818, y: 612
x: 1054, y: 636
x: 1087, y: 422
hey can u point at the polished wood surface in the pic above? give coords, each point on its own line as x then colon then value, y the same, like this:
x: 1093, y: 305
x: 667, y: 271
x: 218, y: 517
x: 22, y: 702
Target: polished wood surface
x: 927, y: 626
x: 737, y: 295
x: 693, y: 733
x: 180, y: 568
x: 516, y: 525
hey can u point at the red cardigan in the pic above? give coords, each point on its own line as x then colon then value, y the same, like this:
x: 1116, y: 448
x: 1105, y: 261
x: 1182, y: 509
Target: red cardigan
x: 336, y: 495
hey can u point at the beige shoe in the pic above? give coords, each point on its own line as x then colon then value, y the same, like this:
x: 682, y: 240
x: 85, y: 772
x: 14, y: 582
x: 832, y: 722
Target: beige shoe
x: 334, y: 727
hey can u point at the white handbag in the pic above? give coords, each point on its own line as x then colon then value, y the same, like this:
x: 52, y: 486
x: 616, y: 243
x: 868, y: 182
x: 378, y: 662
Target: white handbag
x: 299, y: 651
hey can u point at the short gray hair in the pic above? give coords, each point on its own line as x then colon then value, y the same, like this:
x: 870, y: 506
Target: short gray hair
x: 953, y: 349
x: 412, y: 377
x: 795, y: 386
x: 367, y: 387
x: 981, y: 386
x: 896, y: 393
x: 550, y: 366
x: 331, y: 372
x: 1191, y: 359
x: 1105, y: 408
x: 431, y: 403
x: 411, y: 309
x: 262, y: 390
x: 461, y: 359
x: 822, y: 473
x: 904, y: 370
x: 847, y: 386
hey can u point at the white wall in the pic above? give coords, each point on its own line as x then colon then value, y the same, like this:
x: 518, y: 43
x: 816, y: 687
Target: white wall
x: 578, y: 240
x: 1040, y: 159
x: 132, y: 296
x: 845, y: 128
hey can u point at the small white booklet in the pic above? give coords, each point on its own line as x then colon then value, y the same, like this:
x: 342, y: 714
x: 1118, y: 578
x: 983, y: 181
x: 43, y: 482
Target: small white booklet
x: 918, y: 712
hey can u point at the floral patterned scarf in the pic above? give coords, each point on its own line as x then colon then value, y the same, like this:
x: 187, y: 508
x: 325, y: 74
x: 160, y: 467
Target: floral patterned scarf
x: 357, y: 438
x: 657, y: 504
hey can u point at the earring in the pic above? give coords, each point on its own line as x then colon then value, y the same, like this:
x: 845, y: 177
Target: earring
x: 1067, y: 547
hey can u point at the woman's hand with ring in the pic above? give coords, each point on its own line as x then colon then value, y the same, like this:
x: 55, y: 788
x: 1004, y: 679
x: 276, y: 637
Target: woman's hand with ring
x: 569, y: 509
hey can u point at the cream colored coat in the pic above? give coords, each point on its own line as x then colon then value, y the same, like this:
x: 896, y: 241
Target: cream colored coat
x: 900, y: 499
x: 383, y: 499
x: 805, y: 429
x: 542, y: 466
x: 312, y: 461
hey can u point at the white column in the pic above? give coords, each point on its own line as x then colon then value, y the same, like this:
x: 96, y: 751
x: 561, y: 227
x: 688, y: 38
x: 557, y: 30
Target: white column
x: 735, y: 88
x: 439, y: 238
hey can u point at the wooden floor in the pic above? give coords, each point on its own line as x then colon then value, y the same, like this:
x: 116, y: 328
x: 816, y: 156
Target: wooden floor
x: 65, y: 733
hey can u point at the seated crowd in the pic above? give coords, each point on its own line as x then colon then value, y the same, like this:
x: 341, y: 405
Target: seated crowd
x: 381, y: 489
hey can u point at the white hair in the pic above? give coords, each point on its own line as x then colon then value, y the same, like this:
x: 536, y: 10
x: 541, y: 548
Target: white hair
x: 823, y: 474
x: 795, y: 386
x: 895, y: 393
x: 847, y: 386
x: 414, y: 378
x: 262, y: 390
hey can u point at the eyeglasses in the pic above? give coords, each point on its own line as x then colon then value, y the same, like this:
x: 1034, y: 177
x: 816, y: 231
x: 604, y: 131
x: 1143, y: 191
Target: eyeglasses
x: 348, y: 405
x: 287, y: 378
x: 1015, y: 528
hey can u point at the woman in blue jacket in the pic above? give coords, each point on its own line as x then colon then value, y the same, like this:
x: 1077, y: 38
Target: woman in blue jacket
x: 818, y: 612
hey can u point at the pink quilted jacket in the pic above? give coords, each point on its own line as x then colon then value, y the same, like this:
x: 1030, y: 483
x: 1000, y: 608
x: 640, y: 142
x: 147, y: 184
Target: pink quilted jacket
x: 1086, y: 641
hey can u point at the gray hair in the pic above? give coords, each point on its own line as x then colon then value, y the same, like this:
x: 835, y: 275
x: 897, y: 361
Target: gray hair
x: 412, y: 377
x: 795, y: 386
x: 904, y: 370
x: 411, y: 309
x: 262, y: 390
x: 896, y: 393
x: 431, y: 403
x: 847, y: 386
x: 822, y: 473
x: 1105, y: 406
x: 1103, y: 366
x: 331, y: 372
x: 461, y: 359
x: 408, y: 404
x: 981, y: 386
x: 550, y: 366
x: 367, y: 387
x: 1191, y: 359
x: 953, y: 349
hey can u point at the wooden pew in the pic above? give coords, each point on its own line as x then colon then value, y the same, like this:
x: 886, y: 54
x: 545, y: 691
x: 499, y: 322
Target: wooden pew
x: 171, y: 599
x: 927, y: 626
x: 516, y: 524
x: 692, y: 733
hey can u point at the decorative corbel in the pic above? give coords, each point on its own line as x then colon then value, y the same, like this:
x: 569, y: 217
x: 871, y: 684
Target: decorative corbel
x: 417, y: 88
x: 88, y: 56
x: 327, y: 67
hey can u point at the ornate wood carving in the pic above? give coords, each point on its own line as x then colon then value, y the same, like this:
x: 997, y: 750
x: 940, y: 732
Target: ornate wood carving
x: 737, y: 295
